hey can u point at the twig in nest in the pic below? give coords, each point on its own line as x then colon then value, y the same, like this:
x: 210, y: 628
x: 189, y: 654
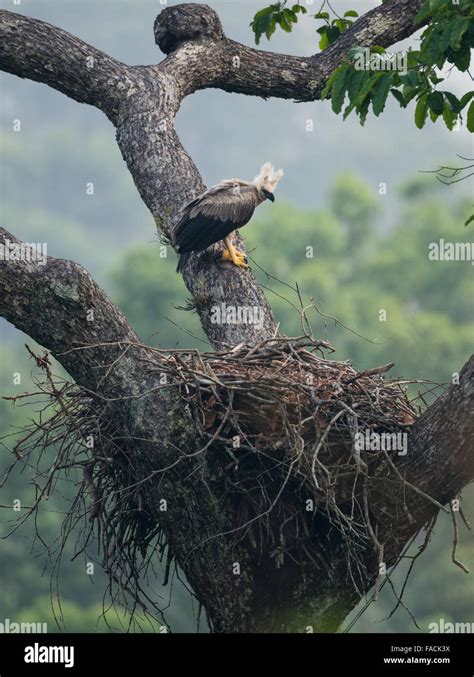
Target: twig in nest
x: 372, y: 372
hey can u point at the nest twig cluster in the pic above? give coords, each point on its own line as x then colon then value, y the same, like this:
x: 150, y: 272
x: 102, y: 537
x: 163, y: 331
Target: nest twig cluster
x: 288, y: 420
x: 279, y: 419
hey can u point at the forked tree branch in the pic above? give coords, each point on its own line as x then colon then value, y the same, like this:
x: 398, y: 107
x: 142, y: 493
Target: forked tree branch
x: 143, y: 100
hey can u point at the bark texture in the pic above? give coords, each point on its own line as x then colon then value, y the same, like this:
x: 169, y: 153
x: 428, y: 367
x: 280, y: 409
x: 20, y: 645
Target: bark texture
x: 52, y: 305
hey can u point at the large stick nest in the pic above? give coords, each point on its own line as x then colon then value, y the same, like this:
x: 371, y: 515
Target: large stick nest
x: 279, y: 420
x: 288, y: 418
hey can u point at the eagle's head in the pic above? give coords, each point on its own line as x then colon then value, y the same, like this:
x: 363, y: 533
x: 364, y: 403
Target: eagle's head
x: 266, y: 181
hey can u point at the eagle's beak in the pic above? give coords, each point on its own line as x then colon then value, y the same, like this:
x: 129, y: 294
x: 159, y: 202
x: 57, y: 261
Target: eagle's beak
x: 270, y: 197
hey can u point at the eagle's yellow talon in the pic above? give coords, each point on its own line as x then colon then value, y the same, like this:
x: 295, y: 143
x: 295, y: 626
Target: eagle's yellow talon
x: 231, y: 254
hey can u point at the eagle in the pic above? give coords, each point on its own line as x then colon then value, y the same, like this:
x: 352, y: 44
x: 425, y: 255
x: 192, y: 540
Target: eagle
x: 216, y: 213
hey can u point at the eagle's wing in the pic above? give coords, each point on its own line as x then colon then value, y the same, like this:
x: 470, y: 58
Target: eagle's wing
x: 214, y: 215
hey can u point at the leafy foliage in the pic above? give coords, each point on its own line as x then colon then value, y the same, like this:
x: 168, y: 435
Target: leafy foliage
x: 266, y: 20
x: 332, y: 29
x: 368, y: 76
x: 448, y: 39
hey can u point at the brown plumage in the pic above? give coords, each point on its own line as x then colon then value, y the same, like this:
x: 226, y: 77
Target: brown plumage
x: 215, y: 214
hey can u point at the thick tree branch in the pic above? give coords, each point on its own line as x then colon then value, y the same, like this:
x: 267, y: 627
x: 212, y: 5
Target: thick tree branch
x: 61, y: 307
x: 38, y: 51
x: 167, y: 178
x: 52, y: 304
x: 439, y: 461
x: 212, y: 60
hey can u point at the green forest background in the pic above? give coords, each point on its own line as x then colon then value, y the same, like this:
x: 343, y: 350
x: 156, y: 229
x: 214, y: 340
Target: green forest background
x: 370, y: 253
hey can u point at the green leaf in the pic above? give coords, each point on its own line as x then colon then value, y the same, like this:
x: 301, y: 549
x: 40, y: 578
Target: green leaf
x: 461, y: 58
x: 271, y: 27
x: 355, y: 82
x: 399, y: 97
x: 381, y: 92
x: 428, y: 9
x: 411, y: 95
x: 448, y: 116
x: 339, y: 89
x: 351, y: 12
x: 321, y: 15
x: 445, y: 37
x: 470, y: 117
x: 328, y: 35
x: 363, y: 109
x: 354, y: 52
x: 458, y: 27
x: 470, y: 219
x: 465, y: 99
x: 323, y: 42
x: 421, y: 110
x: 396, y: 79
x: 264, y: 22
x: 430, y: 44
x: 333, y: 33
x: 366, y: 88
x: 436, y: 102
x: 453, y: 102
x: 264, y: 12
x: 410, y: 79
x: 328, y: 86
x: 348, y: 109
x: 290, y: 16
x: 413, y: 58
x: 285, y: 22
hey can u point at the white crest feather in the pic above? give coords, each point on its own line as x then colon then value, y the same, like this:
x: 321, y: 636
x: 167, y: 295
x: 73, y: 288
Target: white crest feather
x: 268, y: 178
